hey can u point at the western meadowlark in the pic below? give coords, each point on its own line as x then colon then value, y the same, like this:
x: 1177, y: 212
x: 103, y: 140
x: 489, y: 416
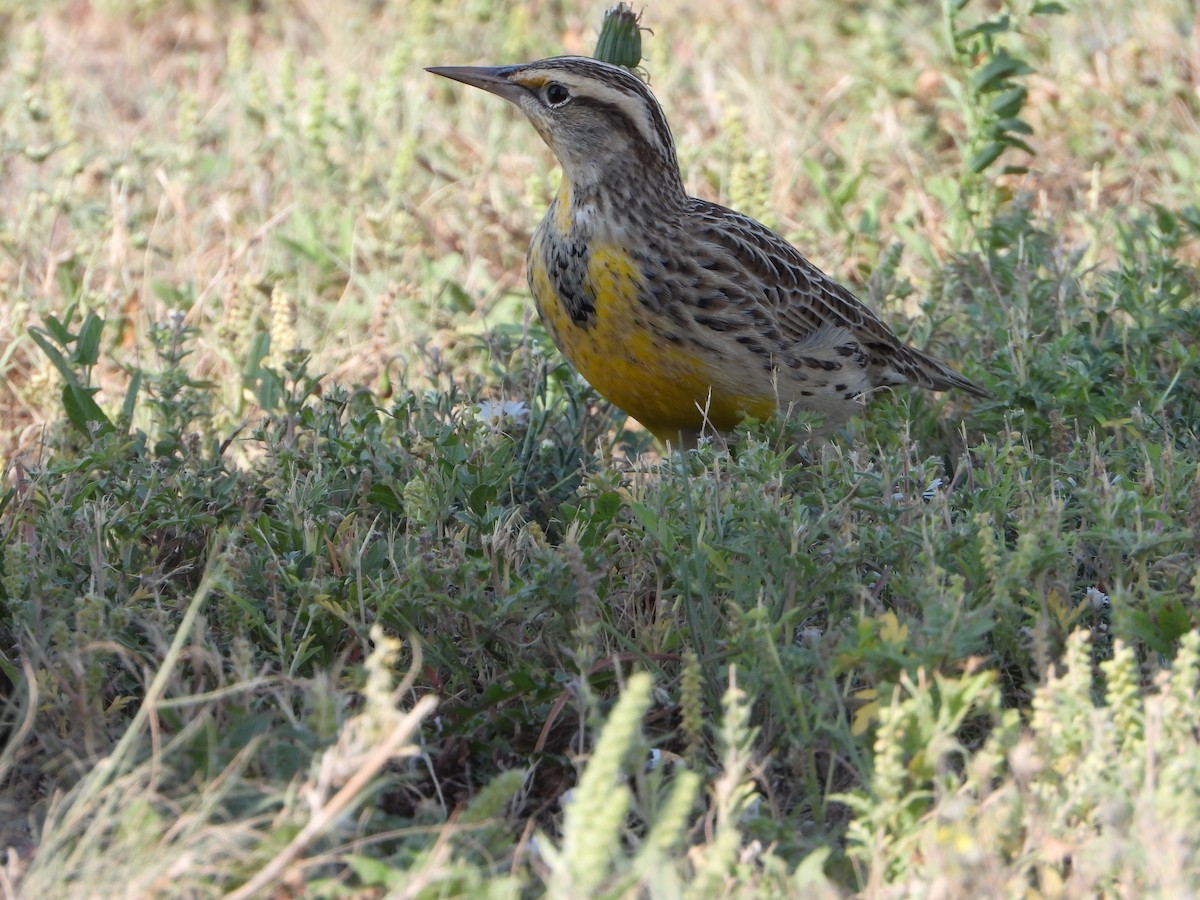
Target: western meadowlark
x: 681, y: 312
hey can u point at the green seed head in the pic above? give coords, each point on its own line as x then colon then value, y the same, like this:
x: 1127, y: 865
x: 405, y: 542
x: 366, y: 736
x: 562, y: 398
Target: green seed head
x: 620, y: 41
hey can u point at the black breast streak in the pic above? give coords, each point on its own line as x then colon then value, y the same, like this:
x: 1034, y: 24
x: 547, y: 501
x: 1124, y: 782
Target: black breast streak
x: 827, y: 365
x: 566, y: 264
x: 581, y: 310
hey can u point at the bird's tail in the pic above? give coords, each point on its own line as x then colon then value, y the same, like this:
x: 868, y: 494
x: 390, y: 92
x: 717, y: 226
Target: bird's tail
x: 922, y: 369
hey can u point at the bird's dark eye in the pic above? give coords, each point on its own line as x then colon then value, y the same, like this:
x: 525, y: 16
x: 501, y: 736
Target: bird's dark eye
x: 557, y: 94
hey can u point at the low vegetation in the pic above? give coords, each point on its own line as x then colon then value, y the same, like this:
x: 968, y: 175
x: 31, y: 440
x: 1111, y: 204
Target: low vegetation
x: 321, y: 573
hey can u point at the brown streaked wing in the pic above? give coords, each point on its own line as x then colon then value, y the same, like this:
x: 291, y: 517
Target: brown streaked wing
x: 802, y: 298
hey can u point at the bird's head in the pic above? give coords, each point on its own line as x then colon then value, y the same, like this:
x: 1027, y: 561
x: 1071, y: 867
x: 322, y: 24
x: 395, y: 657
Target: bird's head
x: 599, y: 120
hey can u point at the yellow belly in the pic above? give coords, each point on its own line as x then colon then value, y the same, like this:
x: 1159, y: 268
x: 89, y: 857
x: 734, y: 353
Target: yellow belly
x: 624, y: 354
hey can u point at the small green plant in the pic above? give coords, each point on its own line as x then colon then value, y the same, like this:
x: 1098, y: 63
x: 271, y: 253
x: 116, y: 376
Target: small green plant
x: 74, y: 353
x: 179, y: 402
x: 620, y: 40
x: 1099, y: 790
x: 988, y: 66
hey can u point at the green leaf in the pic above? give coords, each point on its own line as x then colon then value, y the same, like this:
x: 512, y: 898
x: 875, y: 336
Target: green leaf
x: 847, y: 189
x: 1161, y: 626
x: 985, y: 157
x: 84, y: 413
x: 130, y: 402
x: 87, y: 342
x: 608, y: 504
x: 383, y: 496
x: 1049, y: 8
x: 260, y: 347
x: 994, y: 76
x: 523, y: 681
x: 1001, y: 25
x: 56, y: 359
x: 1019, y: 144
x: 460, y: 298
x: 646, y: 516
x: 1019, y: 126
x: 1007, y: 104
x: 58, y: 330
x: 480, y: 497
x: 266, y: 384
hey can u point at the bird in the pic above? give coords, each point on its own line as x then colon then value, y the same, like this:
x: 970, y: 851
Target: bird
x: 686, y: 315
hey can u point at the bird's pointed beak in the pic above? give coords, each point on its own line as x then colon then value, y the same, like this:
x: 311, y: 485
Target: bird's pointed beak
x: 494, y: 79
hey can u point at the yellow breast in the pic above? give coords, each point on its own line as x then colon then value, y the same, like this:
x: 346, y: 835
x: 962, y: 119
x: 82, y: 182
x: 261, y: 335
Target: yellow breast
x: 624, y: 351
